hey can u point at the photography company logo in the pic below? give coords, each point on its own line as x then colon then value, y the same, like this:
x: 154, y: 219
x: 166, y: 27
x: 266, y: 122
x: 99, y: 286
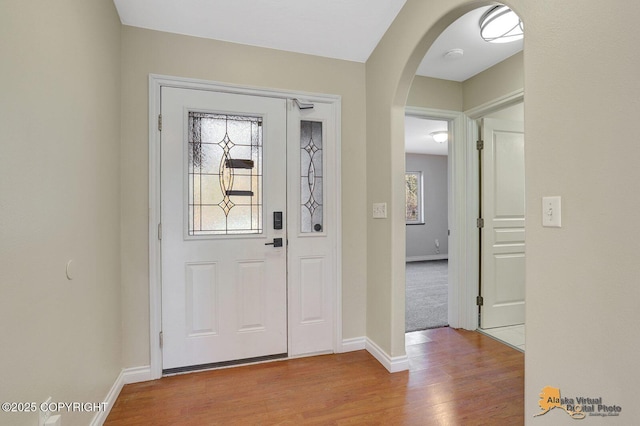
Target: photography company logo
x: 578, y: 407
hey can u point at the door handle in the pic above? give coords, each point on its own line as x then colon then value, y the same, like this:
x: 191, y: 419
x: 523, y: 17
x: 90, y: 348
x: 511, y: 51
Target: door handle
x: 277, y: 242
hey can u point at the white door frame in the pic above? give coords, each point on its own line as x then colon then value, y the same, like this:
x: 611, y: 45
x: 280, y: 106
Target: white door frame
x: 456, y: 196
x: 473, y: 115
x: 155, y: 290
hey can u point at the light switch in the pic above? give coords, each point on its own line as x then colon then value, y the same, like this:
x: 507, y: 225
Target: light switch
x: 552, y: 212
x: 379, y: 210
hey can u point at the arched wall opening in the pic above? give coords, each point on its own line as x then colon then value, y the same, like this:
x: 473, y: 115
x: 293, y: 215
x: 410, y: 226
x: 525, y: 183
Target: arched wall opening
x: 573, y: 78
x: 390, y: 72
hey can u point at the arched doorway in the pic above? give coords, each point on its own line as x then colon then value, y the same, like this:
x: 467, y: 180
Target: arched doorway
x: 444, y: 86
x: 390, y: 71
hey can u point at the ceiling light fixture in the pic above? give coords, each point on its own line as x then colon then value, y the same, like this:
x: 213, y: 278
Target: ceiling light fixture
x: 500, y: 24
x: 440, y: 136
x: 453, y: 54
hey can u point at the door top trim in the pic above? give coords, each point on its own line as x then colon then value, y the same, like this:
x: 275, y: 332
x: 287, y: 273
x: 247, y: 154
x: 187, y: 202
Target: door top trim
x: 509, y: 99
x: 158, y: 80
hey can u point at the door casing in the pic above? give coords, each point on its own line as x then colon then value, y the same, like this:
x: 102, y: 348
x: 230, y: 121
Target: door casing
x: 456, y: 314
x: 155, y: 314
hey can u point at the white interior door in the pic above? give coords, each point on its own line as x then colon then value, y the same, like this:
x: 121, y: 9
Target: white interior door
x: 223, y: 175
x: 502, y: 237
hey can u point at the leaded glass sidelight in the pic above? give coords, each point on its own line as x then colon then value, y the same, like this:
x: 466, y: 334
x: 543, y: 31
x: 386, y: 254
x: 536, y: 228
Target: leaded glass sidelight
x: 311, y: 183
x: 224, y: 174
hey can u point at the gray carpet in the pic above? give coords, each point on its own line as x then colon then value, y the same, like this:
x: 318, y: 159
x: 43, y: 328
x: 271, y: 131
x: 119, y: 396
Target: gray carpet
x: 426, y: 295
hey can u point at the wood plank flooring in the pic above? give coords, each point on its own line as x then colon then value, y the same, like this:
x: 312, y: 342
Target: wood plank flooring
x: 456, y: 377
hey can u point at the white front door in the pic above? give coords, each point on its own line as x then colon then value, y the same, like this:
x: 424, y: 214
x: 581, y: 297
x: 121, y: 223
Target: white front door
x: 223, y: 175
x: 502, y: 237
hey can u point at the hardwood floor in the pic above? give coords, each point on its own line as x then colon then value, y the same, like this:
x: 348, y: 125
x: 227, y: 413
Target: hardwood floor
x: 456, y: 377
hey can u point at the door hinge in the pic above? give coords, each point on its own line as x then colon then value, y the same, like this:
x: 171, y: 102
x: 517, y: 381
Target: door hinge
x: 160, y: 122
x: 479, y: 300
x: 480, y: 222
x: 480, y: 145
x: 161, y: 340
x: 160, y: 231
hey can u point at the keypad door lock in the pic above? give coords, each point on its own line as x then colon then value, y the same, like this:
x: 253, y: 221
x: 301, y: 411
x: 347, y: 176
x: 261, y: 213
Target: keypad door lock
x: 277, y: 220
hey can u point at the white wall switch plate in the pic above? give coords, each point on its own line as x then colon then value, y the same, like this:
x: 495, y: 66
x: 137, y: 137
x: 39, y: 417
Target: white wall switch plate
x: 379, y: 210
x: 552, y: 212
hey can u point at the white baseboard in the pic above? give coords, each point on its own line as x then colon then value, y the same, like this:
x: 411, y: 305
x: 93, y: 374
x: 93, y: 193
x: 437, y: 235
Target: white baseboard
x: 427, y: 257
x: 392, y: 364
x: 101, y: 416
x: 126, y: 376
x: 137, y: 374
x: 353, y: 344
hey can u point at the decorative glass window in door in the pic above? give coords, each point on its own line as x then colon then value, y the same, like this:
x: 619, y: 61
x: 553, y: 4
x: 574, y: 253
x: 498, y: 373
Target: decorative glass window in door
x: 311, y: 193
x: 224, y: 174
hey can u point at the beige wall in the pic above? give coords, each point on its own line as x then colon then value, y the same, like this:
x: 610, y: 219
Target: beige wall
x: 427, y: 92
x: 500, y: 80
x: 574, y: 81
x: 59, y: 186
x: 582, y: 279
x: 145, y: 52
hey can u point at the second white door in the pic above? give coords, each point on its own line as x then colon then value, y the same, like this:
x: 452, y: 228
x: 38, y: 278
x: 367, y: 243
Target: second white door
x: 502, y: 237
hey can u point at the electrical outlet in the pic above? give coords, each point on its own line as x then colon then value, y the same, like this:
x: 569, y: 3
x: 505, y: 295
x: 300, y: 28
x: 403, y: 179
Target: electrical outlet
x: 379, y: 210
x: 44, y: 414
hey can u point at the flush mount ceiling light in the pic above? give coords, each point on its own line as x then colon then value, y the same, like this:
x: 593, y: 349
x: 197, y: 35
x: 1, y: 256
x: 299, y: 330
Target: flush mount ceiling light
x: 440, y: 136
x: 453, y: 54
x: 500, y: 24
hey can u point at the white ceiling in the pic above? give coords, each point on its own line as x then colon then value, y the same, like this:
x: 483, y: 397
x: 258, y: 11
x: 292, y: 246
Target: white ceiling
x: 417, y: 138
x: 340, y: 29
